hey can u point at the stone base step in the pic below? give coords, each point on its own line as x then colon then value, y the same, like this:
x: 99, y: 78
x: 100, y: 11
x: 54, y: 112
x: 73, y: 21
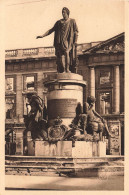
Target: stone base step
x: 48, y: 158
x: 41, y: 163
x: 56, y: 163
x: 36, y: 158
x: 38, y: 161
x: 67, y: 171
x: 72, y: 167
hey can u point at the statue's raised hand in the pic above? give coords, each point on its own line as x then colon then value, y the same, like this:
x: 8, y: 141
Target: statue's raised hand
x: 39, y: 37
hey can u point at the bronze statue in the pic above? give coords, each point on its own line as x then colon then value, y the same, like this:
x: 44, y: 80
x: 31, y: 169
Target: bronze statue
x: 34, y: 121
x: 95, y: 123
x: 87, y: 125
x: 65, y: 42
x: 78, y: 126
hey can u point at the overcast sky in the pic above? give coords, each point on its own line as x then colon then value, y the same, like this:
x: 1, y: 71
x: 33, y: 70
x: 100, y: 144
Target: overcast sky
x: 97, y: 20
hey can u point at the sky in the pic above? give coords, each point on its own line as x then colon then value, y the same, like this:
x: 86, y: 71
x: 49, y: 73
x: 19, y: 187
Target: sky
x: 97, y: 20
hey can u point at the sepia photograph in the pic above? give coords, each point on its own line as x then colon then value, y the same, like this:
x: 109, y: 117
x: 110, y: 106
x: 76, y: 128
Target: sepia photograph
x: 64, y: 95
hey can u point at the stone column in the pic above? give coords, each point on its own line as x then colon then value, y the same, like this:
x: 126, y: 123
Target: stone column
x: 92, y: 81
x: 19, y: 98
x: 116, y: 91
x: 40, y: 84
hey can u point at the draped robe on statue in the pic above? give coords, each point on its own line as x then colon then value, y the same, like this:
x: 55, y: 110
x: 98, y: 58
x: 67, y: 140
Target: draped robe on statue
x: 65, y: 37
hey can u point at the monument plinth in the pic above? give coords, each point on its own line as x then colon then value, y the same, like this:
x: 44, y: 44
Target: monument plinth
x: 72, y: 127
x: 65, y: 91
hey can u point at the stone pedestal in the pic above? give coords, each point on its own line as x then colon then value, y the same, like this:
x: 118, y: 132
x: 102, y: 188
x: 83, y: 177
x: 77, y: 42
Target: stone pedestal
x: 31, y: 148
x: 44, y: 148
x: 84, y: 149
x: 19, y: 140
x: 65, y: 91
x: 101, y: 149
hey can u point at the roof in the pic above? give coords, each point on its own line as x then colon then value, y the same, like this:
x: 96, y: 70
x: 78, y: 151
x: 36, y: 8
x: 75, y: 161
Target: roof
x: 114, y: 44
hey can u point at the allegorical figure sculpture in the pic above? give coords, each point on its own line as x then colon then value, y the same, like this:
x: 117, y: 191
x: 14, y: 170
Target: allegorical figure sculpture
x: 95, y: 123
x: 87, y: 125
x: 65, y: 42
x: 78, y: 126
x: 34, y: 121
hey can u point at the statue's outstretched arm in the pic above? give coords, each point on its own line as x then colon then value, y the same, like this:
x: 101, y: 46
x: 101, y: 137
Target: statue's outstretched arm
x: 46, y: 33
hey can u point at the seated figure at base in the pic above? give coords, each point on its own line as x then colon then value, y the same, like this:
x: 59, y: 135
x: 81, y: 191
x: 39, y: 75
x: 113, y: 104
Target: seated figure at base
x: 87, y: 125
x: 96, y: 125
x: 78, y: 127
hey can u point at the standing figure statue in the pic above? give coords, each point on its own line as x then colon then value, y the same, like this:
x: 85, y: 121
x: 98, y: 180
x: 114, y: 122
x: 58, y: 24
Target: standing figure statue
x: 34, y: 121
x: 65, y: 42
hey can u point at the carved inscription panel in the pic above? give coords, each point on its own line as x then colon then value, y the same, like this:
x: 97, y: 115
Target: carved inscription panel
x: 64, y: 108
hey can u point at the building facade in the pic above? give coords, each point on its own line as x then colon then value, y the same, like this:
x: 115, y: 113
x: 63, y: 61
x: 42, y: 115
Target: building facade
x: 101, y: 65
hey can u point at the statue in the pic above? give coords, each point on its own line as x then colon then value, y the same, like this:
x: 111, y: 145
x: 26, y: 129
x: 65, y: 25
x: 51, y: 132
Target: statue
x: 95, y: 123
x: 78, y: 127
x: 65, y: 42
x: 87, y: 125
x: 34, y: 121
x: 75, y: 130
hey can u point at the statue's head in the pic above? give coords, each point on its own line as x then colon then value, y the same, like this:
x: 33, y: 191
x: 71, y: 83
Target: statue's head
x: 29, y: 96
x: 35, y: 102
x: 91, y: 100
x: 65, y: 12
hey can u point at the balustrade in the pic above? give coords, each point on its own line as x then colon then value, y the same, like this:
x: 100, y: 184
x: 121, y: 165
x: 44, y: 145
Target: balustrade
x: 45, y: 51
x: 49, y: 51
x: 11, y: 53
x: 33, y: 51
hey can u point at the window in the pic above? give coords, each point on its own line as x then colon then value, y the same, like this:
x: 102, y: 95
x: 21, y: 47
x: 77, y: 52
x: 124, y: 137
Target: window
x: 10, y: 88
x: 105, y: 103
x: 104, y: 88
x: 9, y: 84
x: 10, y: 107
x: 105, y: 77
x: 29, y: 82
